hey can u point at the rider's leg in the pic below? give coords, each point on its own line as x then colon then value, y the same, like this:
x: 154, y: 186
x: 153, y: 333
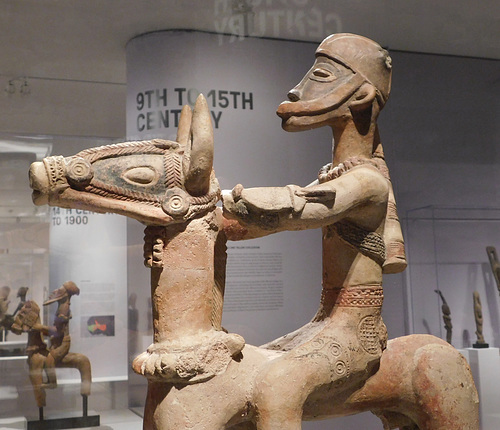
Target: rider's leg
x: 36, y: 362
x: 50, y: 371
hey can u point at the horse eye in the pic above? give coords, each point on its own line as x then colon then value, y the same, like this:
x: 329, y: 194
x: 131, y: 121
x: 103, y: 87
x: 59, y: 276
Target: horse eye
x: 141, y: 175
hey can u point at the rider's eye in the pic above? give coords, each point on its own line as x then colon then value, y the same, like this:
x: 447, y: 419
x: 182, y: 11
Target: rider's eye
x: 141, y: 176
x: 322, y: 74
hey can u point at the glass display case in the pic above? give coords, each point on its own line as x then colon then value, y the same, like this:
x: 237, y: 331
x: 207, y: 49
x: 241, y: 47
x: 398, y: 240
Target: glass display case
x: 447, y: 252
x: 246, y: 57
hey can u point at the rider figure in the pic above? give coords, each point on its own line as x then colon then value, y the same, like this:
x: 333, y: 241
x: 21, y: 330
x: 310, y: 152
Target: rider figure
x: 60, y: 339
x: 353, y: 202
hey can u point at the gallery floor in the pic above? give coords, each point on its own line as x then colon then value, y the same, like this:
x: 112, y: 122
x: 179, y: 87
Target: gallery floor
x: 123, y: 419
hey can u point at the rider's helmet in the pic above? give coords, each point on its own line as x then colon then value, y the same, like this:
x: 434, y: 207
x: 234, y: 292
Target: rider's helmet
x: 67, y: 289
x: 71, y: 288
x: 364, y: 57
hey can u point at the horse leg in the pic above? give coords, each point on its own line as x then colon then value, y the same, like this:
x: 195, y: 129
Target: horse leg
x: 50, y: 371
x: 422, y: 383
x: 35, y: 363
x: 197, y: 406
x: 283, y: 386
x: 221, y: 402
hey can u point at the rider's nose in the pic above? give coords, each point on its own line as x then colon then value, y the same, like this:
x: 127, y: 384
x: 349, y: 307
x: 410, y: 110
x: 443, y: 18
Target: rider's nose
x: 294, y: 95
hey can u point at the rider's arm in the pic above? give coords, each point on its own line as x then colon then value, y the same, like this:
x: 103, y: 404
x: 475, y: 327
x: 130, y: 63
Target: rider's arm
x: 42, y: 329
x: 256, y: 212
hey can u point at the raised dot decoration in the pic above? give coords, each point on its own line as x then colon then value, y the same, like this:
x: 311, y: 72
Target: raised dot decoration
x: 340, y: 368
x: 79, y: 172
x: 175, y: 202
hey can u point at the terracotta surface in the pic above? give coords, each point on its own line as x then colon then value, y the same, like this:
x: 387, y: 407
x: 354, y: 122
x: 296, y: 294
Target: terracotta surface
x: 340, y: 363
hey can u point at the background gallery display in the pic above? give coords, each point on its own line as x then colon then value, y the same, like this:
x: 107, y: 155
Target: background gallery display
x: 277, y: 292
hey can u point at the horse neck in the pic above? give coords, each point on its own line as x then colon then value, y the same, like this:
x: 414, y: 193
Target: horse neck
x: 182, y: 289
x: 35, y: 337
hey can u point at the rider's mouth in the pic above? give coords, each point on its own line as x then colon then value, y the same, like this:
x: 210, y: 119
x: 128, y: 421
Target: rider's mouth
x: 284, y: 110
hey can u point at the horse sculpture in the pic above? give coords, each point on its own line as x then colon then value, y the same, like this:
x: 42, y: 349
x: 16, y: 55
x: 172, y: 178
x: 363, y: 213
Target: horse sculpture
x: 28, y: 321
x: 199, y: 376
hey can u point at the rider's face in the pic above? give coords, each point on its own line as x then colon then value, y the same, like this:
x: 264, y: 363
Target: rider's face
x: 323, y: 77
x: 316, y: 100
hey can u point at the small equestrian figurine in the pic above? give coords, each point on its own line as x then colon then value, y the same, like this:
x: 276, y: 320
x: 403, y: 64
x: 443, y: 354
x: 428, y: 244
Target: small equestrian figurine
x: 5, y: 320
x: 445, y: 309
x: 41, y: 362
x: 27, y: 320
x: 478, y: 315
x: 60, y: 340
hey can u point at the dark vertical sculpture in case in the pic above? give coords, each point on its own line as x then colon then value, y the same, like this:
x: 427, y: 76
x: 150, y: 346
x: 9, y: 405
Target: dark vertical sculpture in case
x: 445, y: 309
x: 478, y: 316
x: 199, y: 376
x: 495, y: 264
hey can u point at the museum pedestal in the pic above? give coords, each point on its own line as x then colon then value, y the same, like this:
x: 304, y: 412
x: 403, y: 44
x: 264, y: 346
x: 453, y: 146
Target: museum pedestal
x: 485, y: 367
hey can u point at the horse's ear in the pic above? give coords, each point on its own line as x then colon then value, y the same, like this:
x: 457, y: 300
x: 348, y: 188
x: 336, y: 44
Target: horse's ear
x: 184, y: 128
x: 200, y: 151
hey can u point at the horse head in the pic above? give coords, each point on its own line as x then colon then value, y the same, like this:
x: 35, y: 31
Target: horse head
x: 170, y: 187
x: 26, y: 318
x: 157, y: 182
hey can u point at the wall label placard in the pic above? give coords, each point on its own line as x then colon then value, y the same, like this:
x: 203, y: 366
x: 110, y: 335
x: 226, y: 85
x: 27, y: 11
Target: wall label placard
x: 152, y: 103
x: 254, y: 279
x: 68, y: 217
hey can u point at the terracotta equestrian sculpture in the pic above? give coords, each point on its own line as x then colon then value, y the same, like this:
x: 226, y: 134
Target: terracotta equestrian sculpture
x: 27, y: 320
x: 199, y: 376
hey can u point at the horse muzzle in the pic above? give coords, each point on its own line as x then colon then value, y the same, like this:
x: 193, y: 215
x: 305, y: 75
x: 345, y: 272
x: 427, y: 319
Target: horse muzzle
x: 39, y: 183
x: 53, y: 175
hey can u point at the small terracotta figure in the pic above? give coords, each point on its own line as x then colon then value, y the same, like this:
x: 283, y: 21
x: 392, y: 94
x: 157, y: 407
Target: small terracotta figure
x: 478, y: 316
x: 4, y: 299
x: 5, y: 318
x: 27, y: 320
x: 201, y: 377
x: 445, y: 309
